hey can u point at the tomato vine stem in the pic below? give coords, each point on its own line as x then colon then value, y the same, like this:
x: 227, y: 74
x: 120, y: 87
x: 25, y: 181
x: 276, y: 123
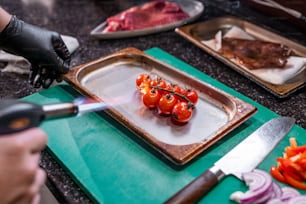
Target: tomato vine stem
x: 190, y: 104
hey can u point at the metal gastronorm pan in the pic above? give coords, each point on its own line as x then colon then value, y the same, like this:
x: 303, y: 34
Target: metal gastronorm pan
x: 198, y: 32
x: 112, y: 79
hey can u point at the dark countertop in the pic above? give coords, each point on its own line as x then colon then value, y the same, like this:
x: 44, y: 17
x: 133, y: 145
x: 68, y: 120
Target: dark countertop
x: 77, y: 18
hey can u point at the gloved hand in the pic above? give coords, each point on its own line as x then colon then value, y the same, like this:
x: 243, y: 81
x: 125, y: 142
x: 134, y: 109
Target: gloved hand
x: 44, y: 49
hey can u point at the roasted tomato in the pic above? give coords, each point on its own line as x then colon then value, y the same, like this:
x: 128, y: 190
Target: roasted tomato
x: 151, y: 98
x: 166, y: 104
x: 182, y: 112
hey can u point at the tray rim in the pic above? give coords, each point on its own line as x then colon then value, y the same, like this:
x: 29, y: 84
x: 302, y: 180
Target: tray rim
x: 280, y: 91
x: 96, y: 32
x: 178, y: 160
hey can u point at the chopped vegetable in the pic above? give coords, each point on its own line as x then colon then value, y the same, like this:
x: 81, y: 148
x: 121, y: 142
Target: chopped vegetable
x: 262, y: 189
x: 291, y: 168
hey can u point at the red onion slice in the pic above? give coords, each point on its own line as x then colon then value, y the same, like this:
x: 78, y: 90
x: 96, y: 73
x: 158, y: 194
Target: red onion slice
x: 277, y: 191
x: 263, y: 190
x: 276, y: 201
x: 298, y: 200
x: 289, y: 193
x: 257, y: 180
x: 260, y: 188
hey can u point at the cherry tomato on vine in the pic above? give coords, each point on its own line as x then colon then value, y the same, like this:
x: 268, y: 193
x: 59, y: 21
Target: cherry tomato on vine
x: 153, y: 82
x: 151, y: 98
x: 183, y: 91
x: 163, y: 85
x: 182, y: 112
x: 141, y: 78
x: 177, y: 90
x: 192, y: 95
x: 166, y: 104
x: 158, y: 83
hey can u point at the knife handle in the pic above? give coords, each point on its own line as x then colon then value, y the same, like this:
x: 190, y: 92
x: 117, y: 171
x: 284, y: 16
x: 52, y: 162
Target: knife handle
x: 197, y: 188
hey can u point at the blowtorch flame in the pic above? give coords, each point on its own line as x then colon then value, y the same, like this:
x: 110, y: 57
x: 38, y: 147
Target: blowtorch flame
x: 86, y: 105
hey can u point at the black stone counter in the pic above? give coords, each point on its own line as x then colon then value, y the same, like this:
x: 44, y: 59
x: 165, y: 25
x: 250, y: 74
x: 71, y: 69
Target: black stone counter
x: 78, y: 17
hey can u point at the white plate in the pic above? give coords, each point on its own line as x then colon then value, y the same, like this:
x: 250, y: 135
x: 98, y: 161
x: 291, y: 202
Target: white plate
x: 192, y: 7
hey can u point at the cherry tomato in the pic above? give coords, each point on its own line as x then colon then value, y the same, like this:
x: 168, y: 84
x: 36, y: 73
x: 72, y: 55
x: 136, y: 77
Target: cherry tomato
x: 162, y: 84
x: 166, y: 104
x: 169, y: 87
x: 142, y: 78
x: 153, y: 82
x: 158, y: 83
x: 177, y: 90
x: 192, y: 95
x: 182, y: 112
x: 183, y: 93
x: 144, y: 88
x: 151, y: 98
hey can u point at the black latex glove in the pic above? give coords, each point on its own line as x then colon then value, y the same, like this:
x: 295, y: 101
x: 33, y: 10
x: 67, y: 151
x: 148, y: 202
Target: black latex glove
x: 44, y: 49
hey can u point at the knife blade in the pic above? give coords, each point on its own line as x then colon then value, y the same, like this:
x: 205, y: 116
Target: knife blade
x: 257, y: 145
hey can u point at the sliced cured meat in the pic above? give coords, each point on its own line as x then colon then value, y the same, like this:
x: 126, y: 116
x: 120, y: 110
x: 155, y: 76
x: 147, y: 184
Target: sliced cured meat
x: 255, y: 54
x: 148, y: 15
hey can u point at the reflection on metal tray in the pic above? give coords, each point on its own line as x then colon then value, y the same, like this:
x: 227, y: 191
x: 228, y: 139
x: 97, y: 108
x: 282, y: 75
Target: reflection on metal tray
x: 203, y: 31
x: 112, y: 79
x: 192, y: 7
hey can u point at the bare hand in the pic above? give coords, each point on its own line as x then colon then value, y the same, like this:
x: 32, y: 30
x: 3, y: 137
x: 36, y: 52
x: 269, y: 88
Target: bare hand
x: 20, y: 175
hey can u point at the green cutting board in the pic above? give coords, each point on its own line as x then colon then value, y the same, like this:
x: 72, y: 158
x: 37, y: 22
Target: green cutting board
x: 112, y: 166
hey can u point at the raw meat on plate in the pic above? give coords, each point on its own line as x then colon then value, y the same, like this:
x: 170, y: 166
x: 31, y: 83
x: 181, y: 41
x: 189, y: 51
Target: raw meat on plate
x: 155, y: 13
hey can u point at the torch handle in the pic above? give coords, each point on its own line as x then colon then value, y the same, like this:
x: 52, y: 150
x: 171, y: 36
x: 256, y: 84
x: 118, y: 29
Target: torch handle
x: 16, y: 115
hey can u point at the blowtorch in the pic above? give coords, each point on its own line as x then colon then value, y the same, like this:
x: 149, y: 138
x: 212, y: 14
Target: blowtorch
x: 17, y: 115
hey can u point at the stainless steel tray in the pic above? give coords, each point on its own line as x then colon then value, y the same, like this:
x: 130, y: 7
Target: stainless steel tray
x: 112, y: 79
x: 192, y: 7
x: 198, y: 32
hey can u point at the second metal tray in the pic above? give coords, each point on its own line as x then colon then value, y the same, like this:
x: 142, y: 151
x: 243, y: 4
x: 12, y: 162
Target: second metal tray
x: 112, y: 79
x: 203, y: 31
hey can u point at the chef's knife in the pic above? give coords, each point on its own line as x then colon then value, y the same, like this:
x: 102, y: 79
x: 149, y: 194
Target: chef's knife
x: 242, y: 158
x: 17, y: 115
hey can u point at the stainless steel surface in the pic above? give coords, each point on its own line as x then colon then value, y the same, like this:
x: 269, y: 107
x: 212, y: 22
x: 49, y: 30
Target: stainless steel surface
x: 192, y: 7
x: 92, y: 107
x: 61, y: 109
x: 251, y: 151
x: 218, y: 111
x: 72, y: 108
